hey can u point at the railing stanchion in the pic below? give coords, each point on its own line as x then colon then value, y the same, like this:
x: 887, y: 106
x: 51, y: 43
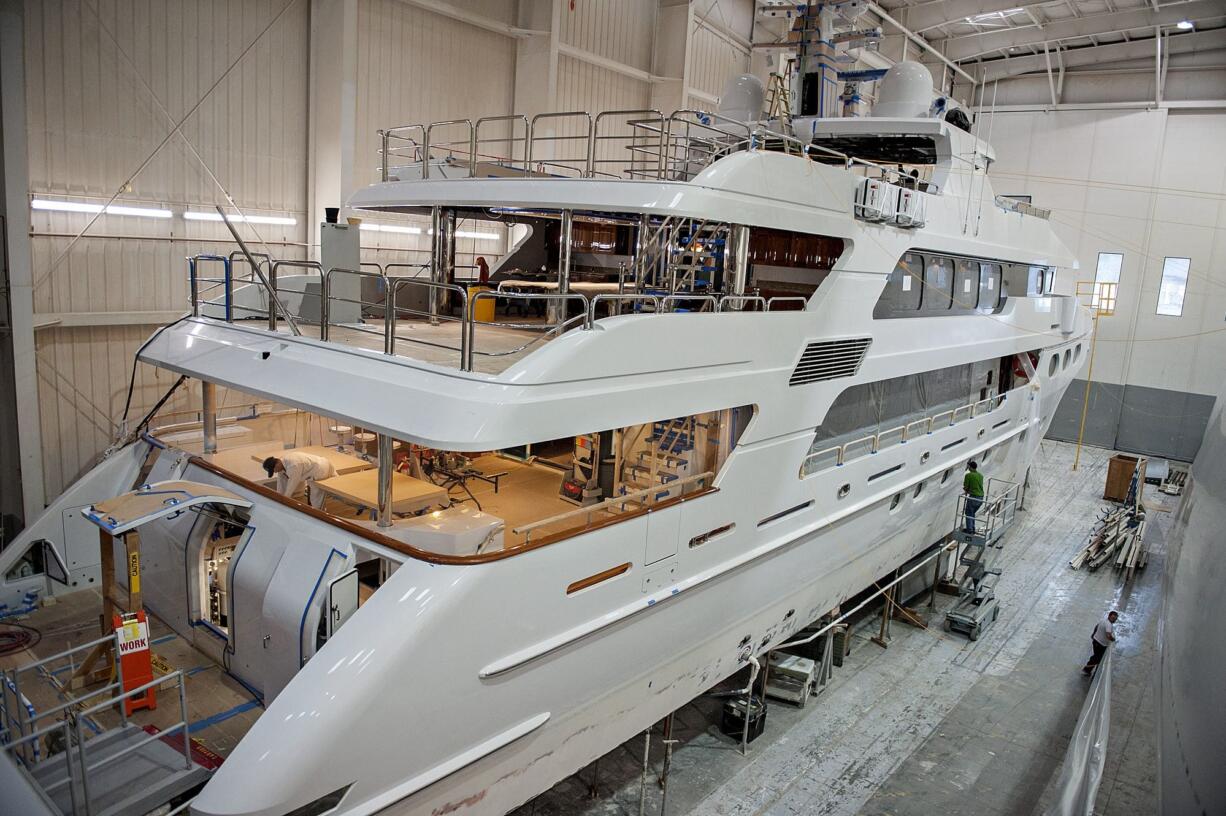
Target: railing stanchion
x: 323, y: 305
x: 229, y: 290
x: 76, y: 726
x: 383, y: 141
x: 194, y: 285
x: 187, y: 733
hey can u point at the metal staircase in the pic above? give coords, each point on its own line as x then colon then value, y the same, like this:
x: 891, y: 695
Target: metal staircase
x: 681, y: 256
x: 667, y: 457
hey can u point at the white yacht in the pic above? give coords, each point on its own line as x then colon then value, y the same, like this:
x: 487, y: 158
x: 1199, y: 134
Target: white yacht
x: 729, y: 375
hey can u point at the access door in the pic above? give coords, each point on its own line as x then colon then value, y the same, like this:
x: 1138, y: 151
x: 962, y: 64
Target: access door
x: 342, y: 601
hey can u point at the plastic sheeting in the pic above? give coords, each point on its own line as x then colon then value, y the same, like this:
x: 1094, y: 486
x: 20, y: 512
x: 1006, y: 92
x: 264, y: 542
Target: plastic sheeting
x: 869, y: 408
x: 1083, y: 763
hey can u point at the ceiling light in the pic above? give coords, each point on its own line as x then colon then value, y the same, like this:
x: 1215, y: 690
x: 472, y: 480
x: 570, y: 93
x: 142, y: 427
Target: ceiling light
x: 112, y: 209
x: 480, y: 236
x: 192, y: 215
x: 1183, y: 25
x: 390, y: 228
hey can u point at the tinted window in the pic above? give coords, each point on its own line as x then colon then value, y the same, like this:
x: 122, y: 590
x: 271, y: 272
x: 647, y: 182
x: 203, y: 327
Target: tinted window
x: 1035, y: 280
x: 902, y: 292
x: 989, y: 286
x: 966, y: 284
x: 938, y: 284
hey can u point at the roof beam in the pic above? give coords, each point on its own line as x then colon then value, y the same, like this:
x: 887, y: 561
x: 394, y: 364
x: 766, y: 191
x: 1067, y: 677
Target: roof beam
x: 966, y: 48
x: 1114, y: 52
x: 927, y: 16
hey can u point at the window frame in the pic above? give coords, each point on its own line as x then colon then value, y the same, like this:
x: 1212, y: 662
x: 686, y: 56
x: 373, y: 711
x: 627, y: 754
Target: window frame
x: 929, y: 289
x: 967, y: 270
x: 1162, y: 284
x: 1098, y: 270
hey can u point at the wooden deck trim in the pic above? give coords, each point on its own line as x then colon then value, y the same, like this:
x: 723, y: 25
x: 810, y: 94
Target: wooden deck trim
x: 414, y: 552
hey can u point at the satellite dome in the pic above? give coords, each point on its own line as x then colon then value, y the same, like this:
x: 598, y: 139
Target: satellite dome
x: 742, y: 98
x: 906, y: 92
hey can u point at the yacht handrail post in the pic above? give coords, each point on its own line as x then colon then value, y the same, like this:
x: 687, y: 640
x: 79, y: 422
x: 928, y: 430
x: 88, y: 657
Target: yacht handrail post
x: 385, y: 480
x: 193, y: 286
x: 557, y: 311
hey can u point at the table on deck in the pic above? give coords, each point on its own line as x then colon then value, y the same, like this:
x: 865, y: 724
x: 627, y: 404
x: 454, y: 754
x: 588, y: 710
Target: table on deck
x: 409, y: 495
x: 345, y: 463
x: 239, y: 461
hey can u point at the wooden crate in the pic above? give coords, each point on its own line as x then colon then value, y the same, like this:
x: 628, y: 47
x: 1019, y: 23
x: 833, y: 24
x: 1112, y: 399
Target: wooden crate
x: 1119, y: 476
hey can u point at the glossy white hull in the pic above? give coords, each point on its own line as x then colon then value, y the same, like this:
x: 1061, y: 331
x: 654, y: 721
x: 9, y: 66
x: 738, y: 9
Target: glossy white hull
x: 491, y: 693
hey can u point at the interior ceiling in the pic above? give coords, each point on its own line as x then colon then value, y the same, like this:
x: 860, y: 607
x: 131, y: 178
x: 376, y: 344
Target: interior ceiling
x: 1002, y: 38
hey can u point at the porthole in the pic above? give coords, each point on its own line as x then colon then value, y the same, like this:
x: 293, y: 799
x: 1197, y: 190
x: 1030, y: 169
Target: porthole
x: 919, y: 488
x: 894, y: 502
x: 986, y: 455
x: 945, y: 476
x: 925, y: 457
x: 981, y: 432
x: 1053, y: 365
x: 1077, y: 353
x: 844, y: 491
x: 1068, y: 357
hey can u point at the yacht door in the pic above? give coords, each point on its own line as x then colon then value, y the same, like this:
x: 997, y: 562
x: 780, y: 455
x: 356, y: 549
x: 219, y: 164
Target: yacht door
x: 342, y: 601
x: 663, y: 527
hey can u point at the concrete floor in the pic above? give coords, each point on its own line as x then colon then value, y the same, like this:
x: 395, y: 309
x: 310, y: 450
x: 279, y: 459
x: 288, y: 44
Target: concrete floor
x: 936, y: 723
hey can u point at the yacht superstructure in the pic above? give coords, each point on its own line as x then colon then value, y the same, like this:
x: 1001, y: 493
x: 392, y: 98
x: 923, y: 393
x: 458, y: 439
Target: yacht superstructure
x: 760, y: 359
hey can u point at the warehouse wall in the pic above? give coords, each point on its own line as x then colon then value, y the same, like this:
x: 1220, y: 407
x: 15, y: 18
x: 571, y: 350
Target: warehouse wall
x: 1148, y: 184
x: 104, y: 82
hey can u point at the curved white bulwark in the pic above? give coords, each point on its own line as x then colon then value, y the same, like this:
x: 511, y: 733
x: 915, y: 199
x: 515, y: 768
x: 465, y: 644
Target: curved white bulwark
x: 468, y: 684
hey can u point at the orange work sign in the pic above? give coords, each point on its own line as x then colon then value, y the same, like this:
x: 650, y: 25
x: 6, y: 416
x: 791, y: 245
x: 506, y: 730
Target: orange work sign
x: 135, y: 660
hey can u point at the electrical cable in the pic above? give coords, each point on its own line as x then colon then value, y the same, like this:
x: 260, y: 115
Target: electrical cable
x: 16, y: 637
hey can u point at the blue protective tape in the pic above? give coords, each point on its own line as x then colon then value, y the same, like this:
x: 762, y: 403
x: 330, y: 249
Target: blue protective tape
x: 199, y: 725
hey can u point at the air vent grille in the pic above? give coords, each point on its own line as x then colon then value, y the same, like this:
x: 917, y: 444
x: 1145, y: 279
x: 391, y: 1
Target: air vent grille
x: 829, y: 360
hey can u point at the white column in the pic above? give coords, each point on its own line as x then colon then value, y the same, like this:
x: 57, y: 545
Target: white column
x: 20, y: 269
x: 332, y: 126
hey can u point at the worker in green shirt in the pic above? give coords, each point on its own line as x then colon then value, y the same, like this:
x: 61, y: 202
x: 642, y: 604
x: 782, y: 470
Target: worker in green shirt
x: 972, y: 485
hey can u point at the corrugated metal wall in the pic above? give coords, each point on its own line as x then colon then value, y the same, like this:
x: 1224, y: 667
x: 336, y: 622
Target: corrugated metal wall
x: 619, y: 30
x: 92, y: 123
x: 713, y: 59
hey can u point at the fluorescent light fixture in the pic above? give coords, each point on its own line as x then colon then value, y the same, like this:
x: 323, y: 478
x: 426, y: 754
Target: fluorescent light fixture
x: 192, y: 215
x: 480, y: 236
x: 113, y: 209
x: 390, y: 228
x: 1183, y: 25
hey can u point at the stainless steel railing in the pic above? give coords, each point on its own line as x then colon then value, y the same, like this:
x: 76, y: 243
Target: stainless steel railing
x: 387, y: 304
x: 634, y: 143
x: 839, y: 455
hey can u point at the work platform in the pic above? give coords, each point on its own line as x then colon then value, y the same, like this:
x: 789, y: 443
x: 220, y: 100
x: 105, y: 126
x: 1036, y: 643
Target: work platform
x: 935, y: 723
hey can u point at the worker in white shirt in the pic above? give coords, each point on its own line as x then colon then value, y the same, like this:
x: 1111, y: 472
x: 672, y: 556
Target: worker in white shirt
x: 295, y: 470
x: 1102, y: 637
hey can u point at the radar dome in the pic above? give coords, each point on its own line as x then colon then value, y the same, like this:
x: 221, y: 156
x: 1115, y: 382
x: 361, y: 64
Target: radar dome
x: 906, y: 91
x: 742, y: 98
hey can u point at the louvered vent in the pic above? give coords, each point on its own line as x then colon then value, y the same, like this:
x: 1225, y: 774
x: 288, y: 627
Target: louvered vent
x: 829, y: 360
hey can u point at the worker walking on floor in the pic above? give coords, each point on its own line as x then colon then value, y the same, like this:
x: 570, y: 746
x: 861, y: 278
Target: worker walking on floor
x: 1102, y: 637
x: 972, y: 485
x: 295, y: 470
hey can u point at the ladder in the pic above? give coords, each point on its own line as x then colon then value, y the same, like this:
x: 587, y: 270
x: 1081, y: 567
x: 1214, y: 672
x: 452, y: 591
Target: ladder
x: 779, y: 99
